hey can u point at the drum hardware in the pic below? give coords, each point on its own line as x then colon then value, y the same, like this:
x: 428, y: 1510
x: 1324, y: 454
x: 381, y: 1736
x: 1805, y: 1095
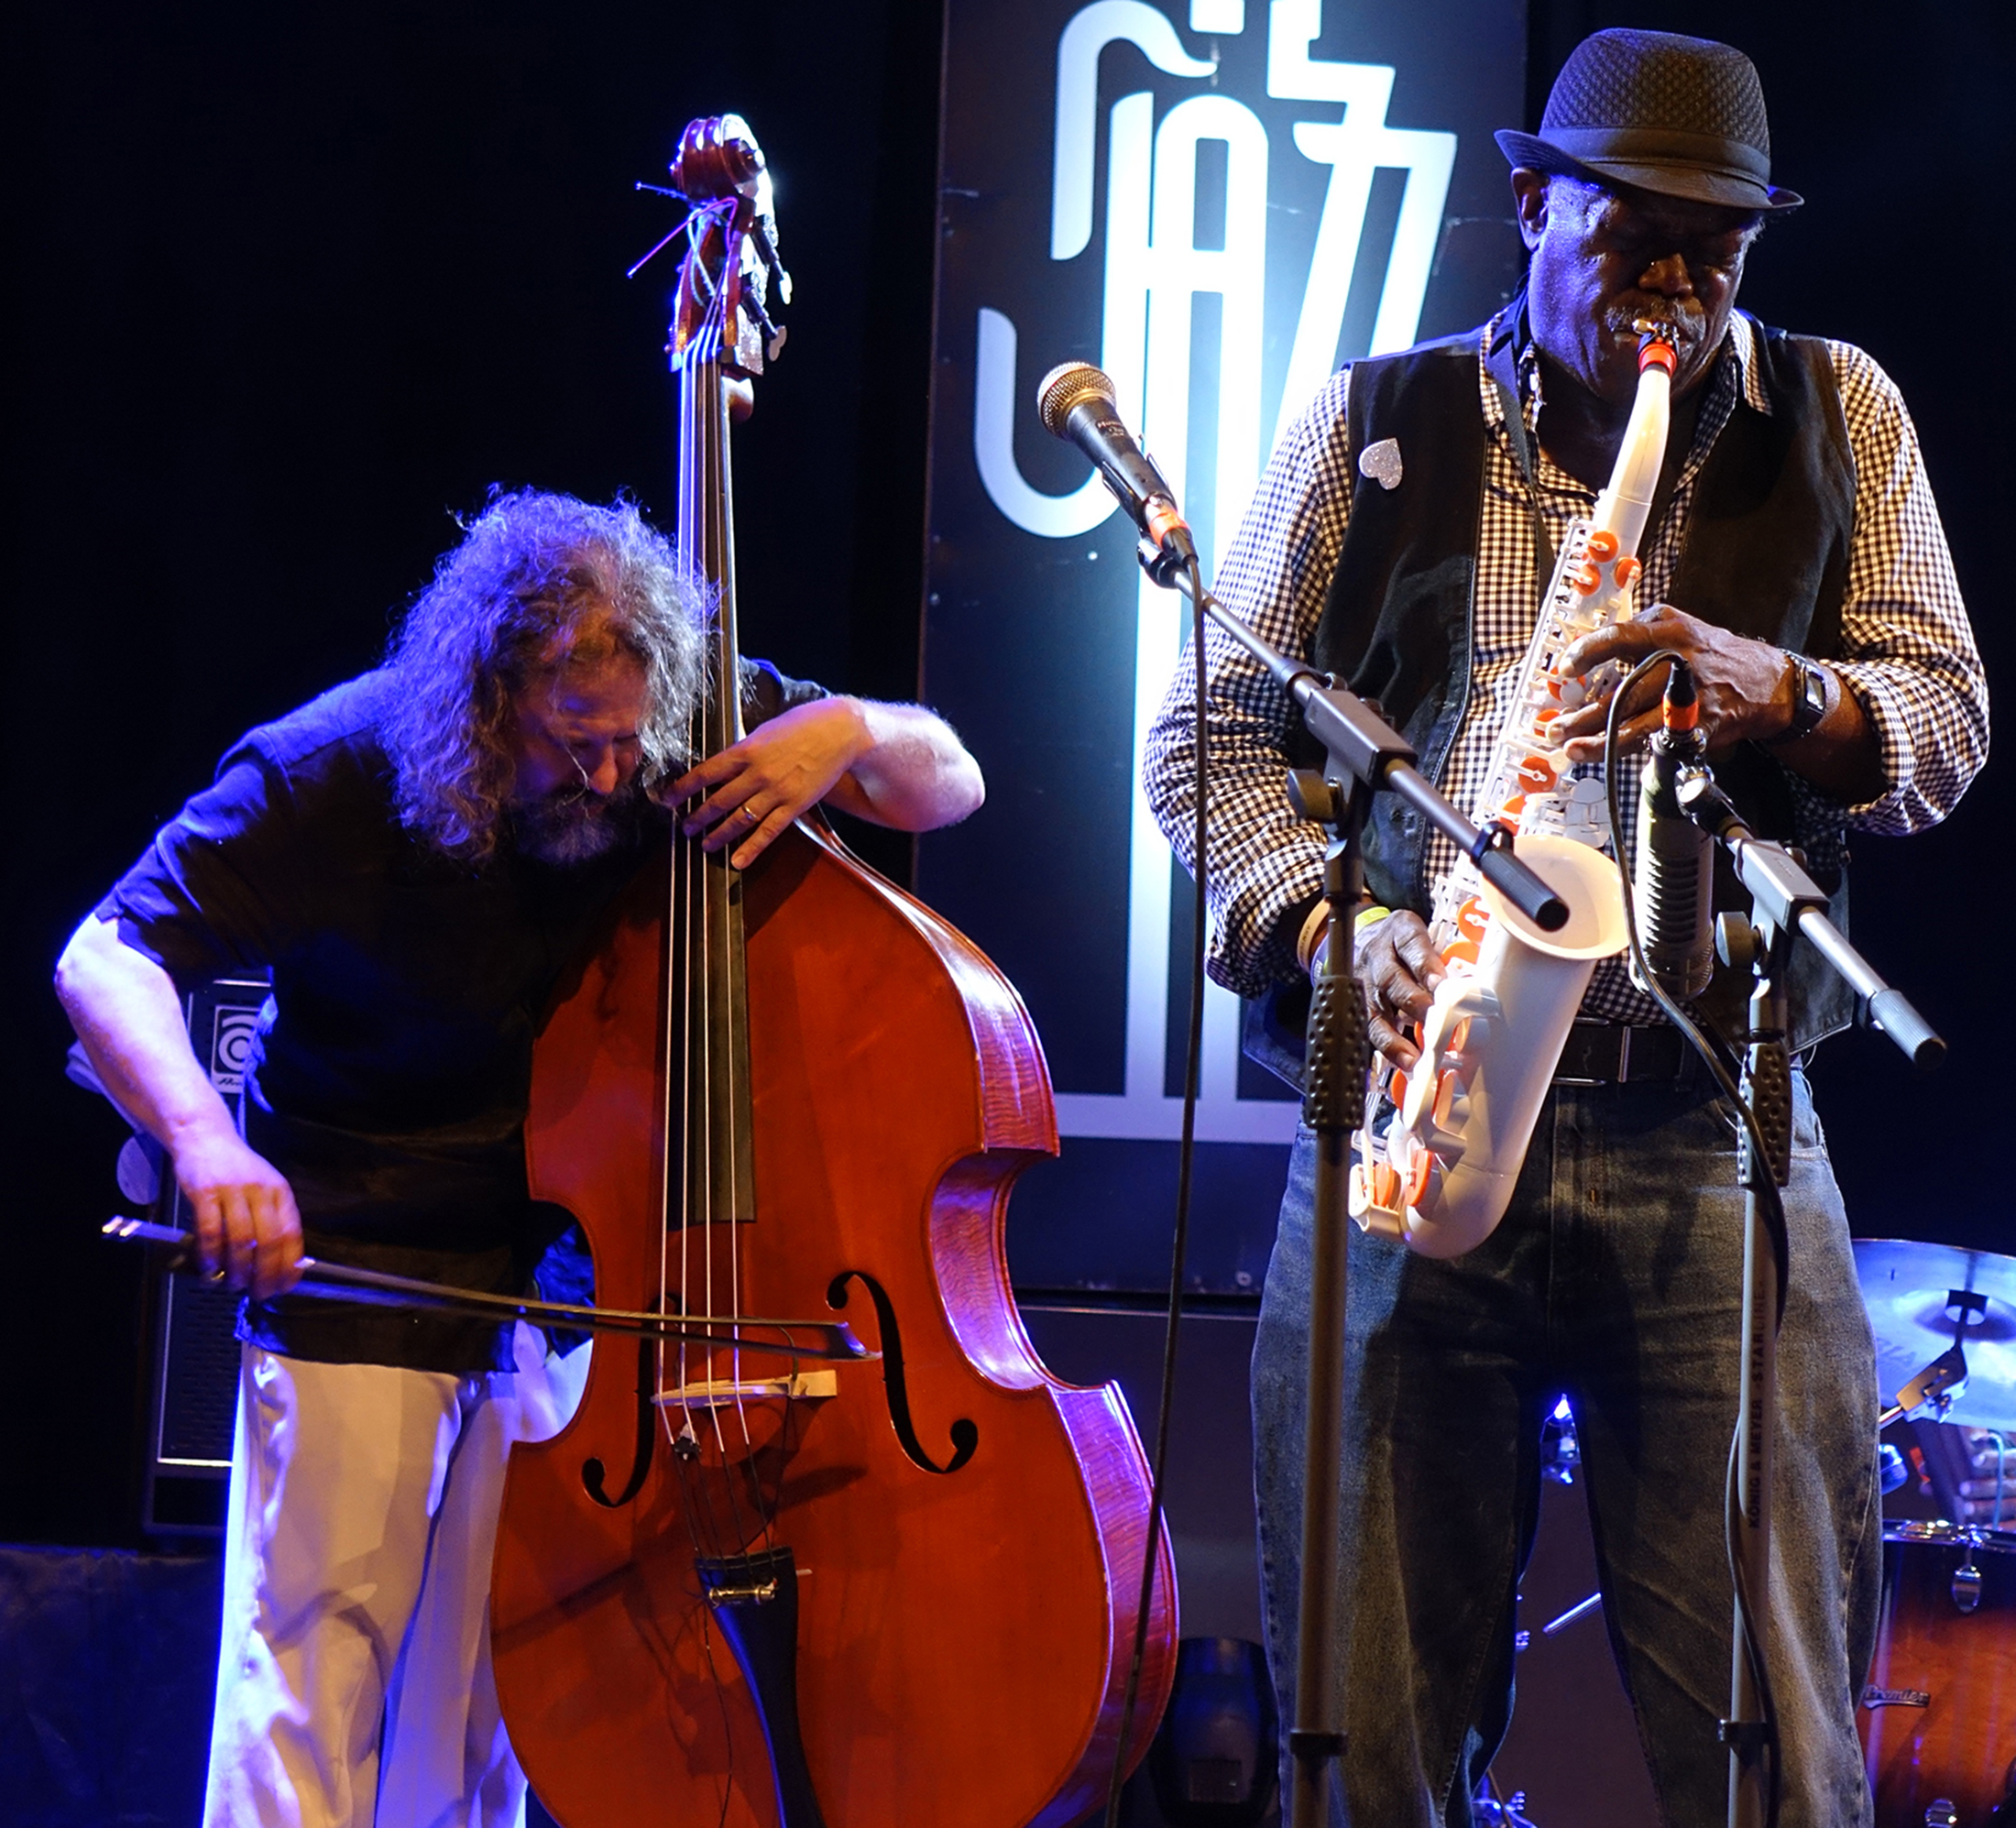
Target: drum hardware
x: 1944, y: 1320
x: 1942, y: 1814
x: 1935, y: 1388
x: 1967, y: 1582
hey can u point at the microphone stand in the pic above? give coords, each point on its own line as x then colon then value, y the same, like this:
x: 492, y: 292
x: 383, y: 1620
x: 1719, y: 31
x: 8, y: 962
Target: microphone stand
x: 1363, y: 754
x: 1784, y: 903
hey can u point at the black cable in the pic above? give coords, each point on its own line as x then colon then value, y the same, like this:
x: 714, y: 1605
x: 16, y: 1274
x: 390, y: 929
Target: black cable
x: 1760, y: 1680
x: 1774, y: 1219
x: 1193, y: 1055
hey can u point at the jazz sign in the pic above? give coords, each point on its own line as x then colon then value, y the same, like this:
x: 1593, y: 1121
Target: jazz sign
x: 1216, y: 203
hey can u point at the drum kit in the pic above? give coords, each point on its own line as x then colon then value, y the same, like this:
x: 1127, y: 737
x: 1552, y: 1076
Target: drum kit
x: 1937, y: 1712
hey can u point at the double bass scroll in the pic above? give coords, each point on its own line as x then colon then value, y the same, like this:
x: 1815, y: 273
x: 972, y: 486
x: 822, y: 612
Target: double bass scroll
x: 841, y: 1597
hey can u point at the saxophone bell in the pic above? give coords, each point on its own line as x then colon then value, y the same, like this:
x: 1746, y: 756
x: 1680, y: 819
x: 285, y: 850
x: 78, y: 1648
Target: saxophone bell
x: 1489, y: 1044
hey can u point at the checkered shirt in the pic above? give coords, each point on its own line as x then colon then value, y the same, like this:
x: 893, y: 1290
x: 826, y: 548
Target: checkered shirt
x: 1906, y: 649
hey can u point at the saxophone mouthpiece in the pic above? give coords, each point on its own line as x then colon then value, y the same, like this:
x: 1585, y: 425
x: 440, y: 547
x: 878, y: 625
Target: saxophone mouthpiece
x: 1658, y: 344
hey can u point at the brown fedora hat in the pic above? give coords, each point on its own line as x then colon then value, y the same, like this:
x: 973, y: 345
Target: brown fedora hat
x: 1683, y: 117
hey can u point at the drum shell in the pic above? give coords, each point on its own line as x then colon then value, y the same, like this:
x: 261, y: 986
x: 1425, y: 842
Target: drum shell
x: 1960, y: 1741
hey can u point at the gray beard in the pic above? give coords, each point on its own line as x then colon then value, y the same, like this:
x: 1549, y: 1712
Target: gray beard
x: 575, y: 827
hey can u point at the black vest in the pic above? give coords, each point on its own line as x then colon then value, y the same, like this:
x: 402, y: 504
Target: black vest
x: 1765, y: 552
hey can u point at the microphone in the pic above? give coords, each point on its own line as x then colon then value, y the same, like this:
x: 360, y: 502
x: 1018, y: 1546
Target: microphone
x: 1674, y: 878
x: 1076, y: 403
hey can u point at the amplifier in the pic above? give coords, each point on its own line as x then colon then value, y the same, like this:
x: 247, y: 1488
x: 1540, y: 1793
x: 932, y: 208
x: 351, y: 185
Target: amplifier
x: 193, y: 1390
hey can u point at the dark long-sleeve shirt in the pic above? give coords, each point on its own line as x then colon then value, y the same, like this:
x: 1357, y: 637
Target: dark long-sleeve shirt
x: 391, y: 1075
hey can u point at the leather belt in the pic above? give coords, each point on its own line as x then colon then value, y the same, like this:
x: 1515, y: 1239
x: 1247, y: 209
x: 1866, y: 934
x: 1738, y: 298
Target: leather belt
x: 1613, y: 1054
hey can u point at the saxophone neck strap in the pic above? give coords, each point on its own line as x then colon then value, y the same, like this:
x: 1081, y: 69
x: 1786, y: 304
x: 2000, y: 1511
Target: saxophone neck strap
x: 1522, y: 455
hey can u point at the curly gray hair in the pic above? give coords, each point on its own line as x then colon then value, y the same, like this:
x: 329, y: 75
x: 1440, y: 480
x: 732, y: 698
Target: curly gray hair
x: 539, y: 582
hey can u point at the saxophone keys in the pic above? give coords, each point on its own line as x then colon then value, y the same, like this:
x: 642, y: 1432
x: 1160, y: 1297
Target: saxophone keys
x: 1375, y: 1200
x: 1465, y: 1049
x: 1603, y: 545
x: 1421, y: 1181
x: 1451, y: 1110
x: 1420, y: 1092
x: 1454, y: 1032
x: 1437, y: 1125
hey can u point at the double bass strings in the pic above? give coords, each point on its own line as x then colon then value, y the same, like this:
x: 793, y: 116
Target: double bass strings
x: 712, y: 1086
x: 698, y: 461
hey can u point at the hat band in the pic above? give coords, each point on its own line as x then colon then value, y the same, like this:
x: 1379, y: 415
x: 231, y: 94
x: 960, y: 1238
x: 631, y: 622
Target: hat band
x: 1660, y: 146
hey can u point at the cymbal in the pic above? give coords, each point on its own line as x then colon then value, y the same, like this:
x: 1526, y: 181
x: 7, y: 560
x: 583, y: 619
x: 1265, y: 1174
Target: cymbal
x: 1907, y: 1288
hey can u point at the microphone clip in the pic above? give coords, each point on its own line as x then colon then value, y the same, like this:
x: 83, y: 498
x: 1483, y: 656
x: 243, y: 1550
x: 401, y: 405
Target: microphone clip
x: 1165, y: 563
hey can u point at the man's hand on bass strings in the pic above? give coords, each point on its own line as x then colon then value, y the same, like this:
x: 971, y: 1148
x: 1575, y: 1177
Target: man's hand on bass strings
x: 781, y: 767
x: 1399, y: 967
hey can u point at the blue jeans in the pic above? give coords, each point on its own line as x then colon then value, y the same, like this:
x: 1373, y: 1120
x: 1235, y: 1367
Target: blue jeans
x: 1615, y: 1279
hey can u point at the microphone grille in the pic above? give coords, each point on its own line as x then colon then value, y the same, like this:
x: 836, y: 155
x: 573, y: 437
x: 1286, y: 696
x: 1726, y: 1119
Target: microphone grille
x: 1068, y: 384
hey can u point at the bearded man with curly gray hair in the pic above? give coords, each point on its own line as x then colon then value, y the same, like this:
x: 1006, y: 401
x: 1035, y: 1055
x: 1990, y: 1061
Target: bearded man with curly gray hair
x: 415, y: 857
x: 542, y: 586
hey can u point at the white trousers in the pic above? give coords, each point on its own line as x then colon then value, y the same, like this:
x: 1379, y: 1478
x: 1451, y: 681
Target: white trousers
x: 354, y: 1684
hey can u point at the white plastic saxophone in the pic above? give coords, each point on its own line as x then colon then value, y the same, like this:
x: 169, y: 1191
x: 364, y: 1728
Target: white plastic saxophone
x: 1442, y: 1173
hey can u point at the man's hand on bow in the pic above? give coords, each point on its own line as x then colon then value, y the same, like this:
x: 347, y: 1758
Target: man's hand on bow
x: 129, y: 1015
x: 247, y: 1228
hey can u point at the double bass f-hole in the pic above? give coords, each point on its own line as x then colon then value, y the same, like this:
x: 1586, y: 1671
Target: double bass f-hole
x: 964, y: 1432
x: 594, y: 1474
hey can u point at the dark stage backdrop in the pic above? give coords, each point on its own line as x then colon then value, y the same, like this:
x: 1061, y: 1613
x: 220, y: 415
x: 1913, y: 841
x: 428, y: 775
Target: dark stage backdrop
x: 294, y: 285
x: 291, y: 286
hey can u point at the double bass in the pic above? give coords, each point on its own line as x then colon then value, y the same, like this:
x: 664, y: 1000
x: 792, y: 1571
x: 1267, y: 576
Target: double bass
x: 756, y: 1590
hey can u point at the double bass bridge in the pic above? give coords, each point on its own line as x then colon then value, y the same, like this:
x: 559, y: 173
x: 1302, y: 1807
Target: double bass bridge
x: 725, y: 1393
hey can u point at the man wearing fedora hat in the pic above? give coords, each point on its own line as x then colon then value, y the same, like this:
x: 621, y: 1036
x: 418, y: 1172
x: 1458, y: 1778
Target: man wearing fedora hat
x: 1401, y: 537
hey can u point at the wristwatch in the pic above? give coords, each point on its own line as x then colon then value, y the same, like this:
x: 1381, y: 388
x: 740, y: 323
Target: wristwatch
x: 1809, y: 698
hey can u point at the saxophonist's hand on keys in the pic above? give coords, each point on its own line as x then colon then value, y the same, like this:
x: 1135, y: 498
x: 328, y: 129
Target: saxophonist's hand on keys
x: 1399, y: 967
x: 1745, y: 685
x: 1750, y: 691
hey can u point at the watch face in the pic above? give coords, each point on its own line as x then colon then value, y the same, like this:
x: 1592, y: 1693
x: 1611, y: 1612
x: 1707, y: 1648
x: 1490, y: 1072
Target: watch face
x: 1811, y: 696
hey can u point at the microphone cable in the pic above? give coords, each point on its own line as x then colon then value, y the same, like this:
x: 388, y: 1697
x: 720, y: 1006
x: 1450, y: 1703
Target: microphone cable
x: 1193, y: 1053
x: 1773, y: 1208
